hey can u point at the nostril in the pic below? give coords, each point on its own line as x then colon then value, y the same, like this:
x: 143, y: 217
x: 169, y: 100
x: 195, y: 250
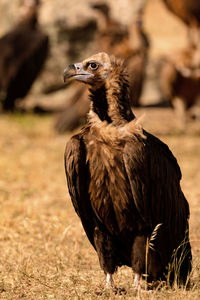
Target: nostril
x: 72, y: 67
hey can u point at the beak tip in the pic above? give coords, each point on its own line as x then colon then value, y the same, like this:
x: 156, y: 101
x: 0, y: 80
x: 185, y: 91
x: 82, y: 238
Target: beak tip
x: 68, y: 72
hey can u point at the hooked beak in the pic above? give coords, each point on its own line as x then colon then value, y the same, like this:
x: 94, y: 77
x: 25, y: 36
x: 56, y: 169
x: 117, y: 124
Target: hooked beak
x: 76, y: 72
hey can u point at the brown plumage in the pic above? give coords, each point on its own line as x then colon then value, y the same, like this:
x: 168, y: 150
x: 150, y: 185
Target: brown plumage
x: 126, y: 42
x: 124, y: 182
x: 74, y: 112
x: 179, y: 75
x: 189, y: 12
x: 23, y: 52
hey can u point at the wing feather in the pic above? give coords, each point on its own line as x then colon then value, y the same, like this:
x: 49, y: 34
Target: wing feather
x: 78, y: 176
x: 154, y: 177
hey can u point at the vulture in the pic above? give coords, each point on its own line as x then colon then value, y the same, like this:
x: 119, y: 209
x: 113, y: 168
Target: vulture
x: 75, y: 111
x: 23, y: 52
x: 127, y: 42
x: 179, y: 79
x: 124, y: 182
x: 189, y: 12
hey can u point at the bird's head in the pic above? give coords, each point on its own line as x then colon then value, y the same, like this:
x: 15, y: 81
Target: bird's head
x: 93, y: 70
x: 108, y: 85
x: 28, y: 9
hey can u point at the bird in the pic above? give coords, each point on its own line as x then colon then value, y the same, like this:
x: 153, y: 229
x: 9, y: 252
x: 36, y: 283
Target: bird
x: 179, y: 80
x: 23, y: 50
x: 127, y: 42
x: 189, y: 12
x: 124, y: 182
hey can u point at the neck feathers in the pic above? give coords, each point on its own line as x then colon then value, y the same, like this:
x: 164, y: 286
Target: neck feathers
x: 100, y: 104
x: 111, y: 101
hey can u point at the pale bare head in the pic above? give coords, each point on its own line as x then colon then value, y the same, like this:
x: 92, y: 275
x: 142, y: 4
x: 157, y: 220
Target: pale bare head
x: 93, y: 70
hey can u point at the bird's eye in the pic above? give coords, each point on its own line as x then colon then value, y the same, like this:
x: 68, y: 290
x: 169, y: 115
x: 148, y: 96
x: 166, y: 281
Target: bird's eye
x: 93, y: 66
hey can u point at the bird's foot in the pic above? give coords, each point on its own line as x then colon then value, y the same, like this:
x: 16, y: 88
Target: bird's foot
x: 136, y: 283
x: 110, y: 286
x: 110, y: 283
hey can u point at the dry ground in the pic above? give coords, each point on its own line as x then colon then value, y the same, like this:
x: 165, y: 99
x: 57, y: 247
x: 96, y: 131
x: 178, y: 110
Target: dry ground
x: 44, y: 253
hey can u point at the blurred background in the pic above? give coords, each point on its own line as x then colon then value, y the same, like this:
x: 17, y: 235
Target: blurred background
x: 158, y: 40
x: 44, y: 251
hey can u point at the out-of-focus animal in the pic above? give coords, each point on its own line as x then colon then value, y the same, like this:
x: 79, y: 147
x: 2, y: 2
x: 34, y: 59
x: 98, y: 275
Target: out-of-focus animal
x: 23, y: 52
x: 129, y: 43
x: 124, y: 182
x: 189, y: 12
x: 179, y: 76
x: 75, y: 111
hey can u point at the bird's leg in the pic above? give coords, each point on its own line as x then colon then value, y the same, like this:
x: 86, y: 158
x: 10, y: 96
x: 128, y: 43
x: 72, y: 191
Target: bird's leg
x: 136, y: 283
x: 111, y: 286
x: 109, y: 282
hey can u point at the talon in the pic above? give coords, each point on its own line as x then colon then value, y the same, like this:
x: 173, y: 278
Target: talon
x: 110, y: 282
x: 136, y: 283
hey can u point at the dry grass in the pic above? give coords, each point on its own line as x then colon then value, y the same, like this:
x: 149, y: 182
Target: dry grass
x: 44, y: 251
